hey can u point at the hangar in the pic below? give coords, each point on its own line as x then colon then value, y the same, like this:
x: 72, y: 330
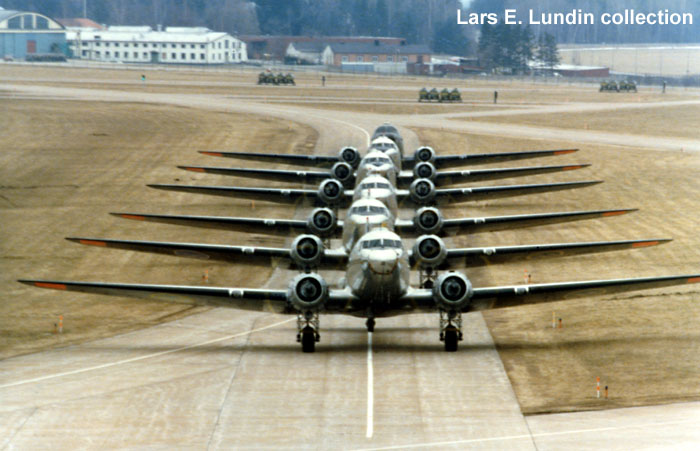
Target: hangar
x: 27, y: 33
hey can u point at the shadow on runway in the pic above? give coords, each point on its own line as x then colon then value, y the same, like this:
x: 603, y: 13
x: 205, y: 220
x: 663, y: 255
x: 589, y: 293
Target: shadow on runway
x: 385, y: 343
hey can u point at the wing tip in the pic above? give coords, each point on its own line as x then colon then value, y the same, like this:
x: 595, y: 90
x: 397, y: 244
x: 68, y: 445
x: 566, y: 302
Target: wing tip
x: 87, y: 241
x: 564, y: 151
x: 192, y: 168
x: 44, y: 284
x: 129, y: 216
x: 210, y: 153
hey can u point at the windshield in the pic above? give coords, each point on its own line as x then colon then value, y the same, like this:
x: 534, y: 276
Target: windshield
x: 368, y: 211
x: 370, y: 185
x: 382, y: 243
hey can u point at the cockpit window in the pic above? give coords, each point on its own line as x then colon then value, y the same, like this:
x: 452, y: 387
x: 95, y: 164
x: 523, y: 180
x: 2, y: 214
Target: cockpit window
x: 370, y: 185
x: 376, y: 161
x: 368, y: 210
x: 382, y: 243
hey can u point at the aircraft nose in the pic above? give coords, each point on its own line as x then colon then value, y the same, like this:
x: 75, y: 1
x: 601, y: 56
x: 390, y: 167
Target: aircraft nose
x: 384, y: 263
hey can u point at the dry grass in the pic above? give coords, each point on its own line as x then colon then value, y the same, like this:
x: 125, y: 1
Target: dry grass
x: 671, y: 121
x: 643, y: 345
x: 66, y: 165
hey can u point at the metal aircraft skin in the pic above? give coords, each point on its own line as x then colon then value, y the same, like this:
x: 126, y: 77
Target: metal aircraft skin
x: 379, y: 164
x: 332, y: 194
x: 324, y: 223
x: 422, y: 154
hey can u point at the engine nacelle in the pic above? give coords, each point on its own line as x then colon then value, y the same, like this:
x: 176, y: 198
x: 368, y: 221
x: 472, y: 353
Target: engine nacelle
x: 343, y: 173
x: 429, y: 252
x: 422, y: 191
x: 351, y: 156
x: 307, y: 251
x: 308, y: 292
x: 322, y: 222
x: 428, y: 220
x: 331, y: 192
x: 424, y: 154
x: 452, y: 291
x: 424, y: 170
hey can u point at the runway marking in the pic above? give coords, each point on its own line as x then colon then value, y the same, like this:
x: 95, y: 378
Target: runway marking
x: 143, y: 357
x: 526, y: 436
x: 370, y: 388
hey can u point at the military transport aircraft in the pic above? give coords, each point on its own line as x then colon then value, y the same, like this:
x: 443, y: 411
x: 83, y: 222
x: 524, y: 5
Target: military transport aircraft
x: 331, y: 193
x: 377, y: 265
x: 351, y: 156
x: 376, y: 285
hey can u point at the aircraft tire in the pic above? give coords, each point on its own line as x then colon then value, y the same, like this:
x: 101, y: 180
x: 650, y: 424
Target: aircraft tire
x: 451, y: 339
x: 308, y: 340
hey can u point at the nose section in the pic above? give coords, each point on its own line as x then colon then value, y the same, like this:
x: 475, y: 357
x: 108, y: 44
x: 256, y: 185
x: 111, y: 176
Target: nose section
x: 384, y: 263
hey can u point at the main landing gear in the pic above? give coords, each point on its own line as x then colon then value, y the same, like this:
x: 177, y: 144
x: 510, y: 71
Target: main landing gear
x: 427, y: 278
x: 450, y: 329
x: 307, y: 327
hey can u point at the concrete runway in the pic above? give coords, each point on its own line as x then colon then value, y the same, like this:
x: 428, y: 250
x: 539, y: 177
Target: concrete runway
x: 232, y: 379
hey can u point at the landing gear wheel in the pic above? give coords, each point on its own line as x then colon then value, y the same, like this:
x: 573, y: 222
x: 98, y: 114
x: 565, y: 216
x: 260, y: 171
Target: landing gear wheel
x: 451, y: 339
x: 370, y: 324
x: 308, y: 339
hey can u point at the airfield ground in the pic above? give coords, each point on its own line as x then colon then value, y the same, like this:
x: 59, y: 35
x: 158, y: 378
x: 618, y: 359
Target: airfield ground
x: 66, y: 164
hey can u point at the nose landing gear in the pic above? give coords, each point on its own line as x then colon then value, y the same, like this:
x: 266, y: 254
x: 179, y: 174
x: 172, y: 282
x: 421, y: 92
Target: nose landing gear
x: 450, y: 329
x: 370, y: 324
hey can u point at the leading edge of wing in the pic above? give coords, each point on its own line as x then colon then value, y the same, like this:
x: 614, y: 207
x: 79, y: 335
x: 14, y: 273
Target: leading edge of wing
x: 481, y: 256
x: 277, y: 175
x: 443, y: 195
x: 514, y: 295
x: 450, y: 161
x: 279, y: 227
x: 300, y: 160
x: 253, y: 299
x: 284, y: 195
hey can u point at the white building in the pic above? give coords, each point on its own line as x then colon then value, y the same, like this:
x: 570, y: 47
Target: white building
x: 175, y: 45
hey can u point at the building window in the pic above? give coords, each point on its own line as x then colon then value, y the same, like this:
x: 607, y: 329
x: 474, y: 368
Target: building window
x: 226, y: 44
x: 201, y: 56
x: 172, y: 45
x: 97, y: 44
x: 193, y: 56
x: 201, y: 46
x: 183, y: 46
x: 173, y: 56
x: 404, y: 59
x: 28, y: 22
x: 136, y: 55
x: 42, y: 23
x: 97, y: 54
x: 375, y: 59
x: 390, y: 58
x: 344, y: 59
x: 360, y: 58
x: 116, y: 44
x: 15, y: 23
x: 191, y: 46
x: 84, y: 52
x: 106, y: 44
x: 145, y: 55
x: 107, y: 54
x: 183, y: 56
x: 116, y: 54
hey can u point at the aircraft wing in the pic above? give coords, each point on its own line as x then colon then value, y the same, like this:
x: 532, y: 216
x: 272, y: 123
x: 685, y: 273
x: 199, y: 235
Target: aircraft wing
x: 448, y: 195
x: 443, y: 178
x: 277, y: 227
x: 482, y: 256
x: 484, y: 298
x: 307, y: 197
x: 252, y: 299
x: 453, y: 161
x: 276, y: 175
x: 252, y: 255
x: 312, y: 161
x: 241, y: 298
x: 495, y: 223
x: 508, y: 296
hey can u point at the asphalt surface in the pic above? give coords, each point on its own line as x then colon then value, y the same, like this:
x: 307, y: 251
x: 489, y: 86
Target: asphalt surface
x: 231, y: 379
